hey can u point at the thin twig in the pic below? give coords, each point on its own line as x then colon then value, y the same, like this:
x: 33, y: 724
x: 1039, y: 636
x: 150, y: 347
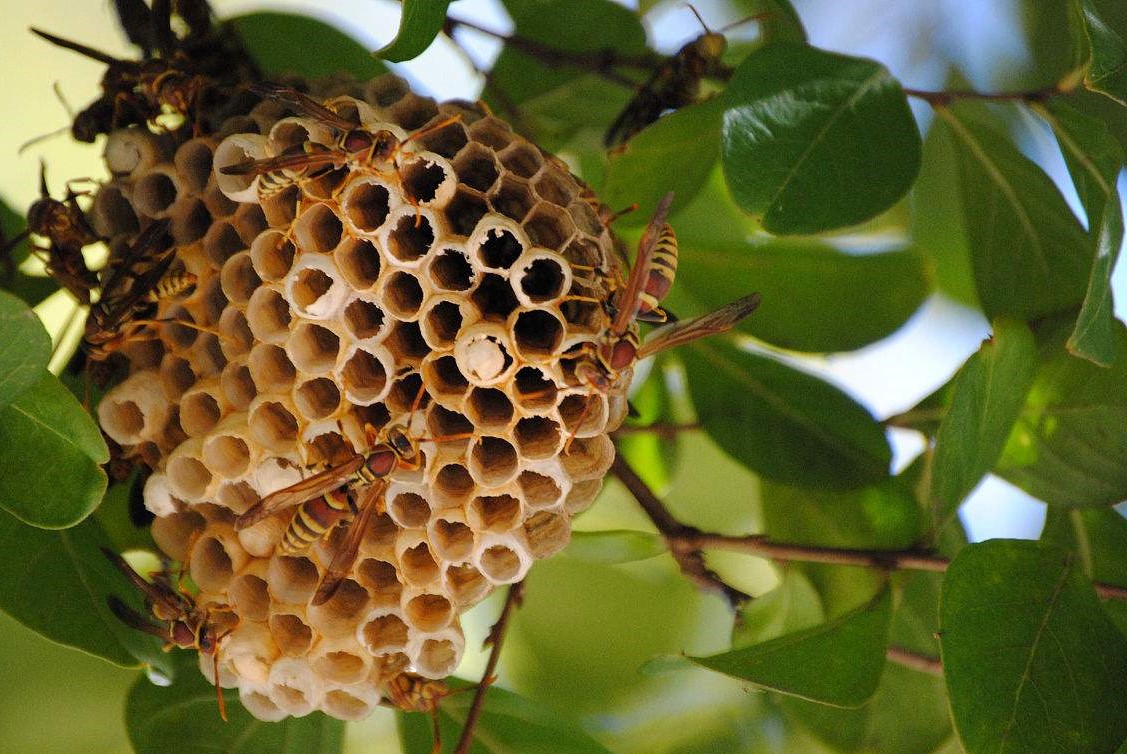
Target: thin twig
x: 664, y: 430
x: 679, y: 537
x: 941, y: 98
x: 496, y: 638
x: 914, y: 660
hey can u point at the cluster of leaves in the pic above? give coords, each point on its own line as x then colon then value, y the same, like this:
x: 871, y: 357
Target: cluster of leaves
x: 794, y: 152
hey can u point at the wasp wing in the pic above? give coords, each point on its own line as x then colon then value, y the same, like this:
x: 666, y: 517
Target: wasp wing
x: 631, y: 299
x: 346, y: 554
x: 300, y: 159
x: 302, y: 103
x: 154, y: 592
x: 307, y: 489
x: 135, y: 620
x: 678, y: 333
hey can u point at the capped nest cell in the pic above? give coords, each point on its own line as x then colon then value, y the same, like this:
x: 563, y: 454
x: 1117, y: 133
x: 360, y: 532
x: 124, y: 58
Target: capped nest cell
x: 446, y: 288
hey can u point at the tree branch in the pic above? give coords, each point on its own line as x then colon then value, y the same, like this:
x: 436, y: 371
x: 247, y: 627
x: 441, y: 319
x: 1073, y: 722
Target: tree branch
x: 496, y: 638
x: 664, y: 430
x: 941, y: 98
x: 914, y: 660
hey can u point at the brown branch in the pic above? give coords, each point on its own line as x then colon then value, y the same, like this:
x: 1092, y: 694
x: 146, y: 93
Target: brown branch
x: 664, y: 430
x: 943, y: 98
x: 914, y: 660
x: 496, y: 637
x: 1110, y: 591
x: 677, y: 536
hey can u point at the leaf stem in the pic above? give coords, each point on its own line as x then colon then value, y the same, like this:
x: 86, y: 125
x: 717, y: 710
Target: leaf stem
x: 496, y: 636
x: 944, y: 98
x: 914, y: 660
x: 664, y: 430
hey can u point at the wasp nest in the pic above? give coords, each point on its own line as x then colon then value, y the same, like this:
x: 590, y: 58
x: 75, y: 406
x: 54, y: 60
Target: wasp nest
x: 460, y: 276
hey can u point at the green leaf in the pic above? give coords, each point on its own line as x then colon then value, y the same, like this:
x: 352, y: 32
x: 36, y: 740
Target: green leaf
x: 989, y: 392
x: 651, y: 454
x: 837, y: 663
x: 1069, y: 445
x: 50, y: 456
x: 783, y: 424
x: 284, y: 43
x: 25, y: 348
x: 509, y: 724
x: 1107, y: 73
x: 1098, y: 536
x: 1029, y: 254
x: 184, y: 718
x: 778, y: 22
x: 1057, y: 43
x: 56, y: 583
x: 420, y: 23
x: 1093, y: 337
x: 681, y: 147
x: 794, y: 605
x: 815, y: 141
x: 1032, y: 661
x: 614, y: 546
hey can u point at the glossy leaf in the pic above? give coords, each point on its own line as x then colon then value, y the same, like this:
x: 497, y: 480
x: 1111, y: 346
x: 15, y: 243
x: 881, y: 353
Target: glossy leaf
x: 1059, y: 49
x: 794, y: 605
x: 509, y: 724
x: 1029, y: 254
x: 612, y: 547
x: 272, y: 39
x: 184, y: 717
x: 837, y: 663
x: 778, y: 20
x: 1098, y: 537
x: 1107, y: 73
x: 56, y: 583
x: 50, y: 456
x: 1093, y: 337
x: 419, y: 24
x: 1069, y: 445
x: 988, y: 393
x: 783, y: 424
x: 1030, y: 658
x: 682, y: 147
x: 814, y: 140
x: 25, y: 348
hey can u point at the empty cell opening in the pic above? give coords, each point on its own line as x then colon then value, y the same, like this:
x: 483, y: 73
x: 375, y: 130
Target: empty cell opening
x: 272, y: 254
x: 575, y: 407
x: 534, y: 390
x: 238, y: 496
x: 453, y: 540
x: 317, y: 398
x: 438, y: 657
x: 227, y: 455
x: 513, y: 198
x: 384, y: 633
x: 288, y: 133
x: 421, y: 179
x: 290, y: 698
x: 490, y: 408
x: 331, y: 448
x: 500, y: 564
x: 273, y: 424
x: 492, y: 133
x: 291, y: 634
x: 193, y: 161
x: 292, y: 576
x: 211, y: 566
x: 464, y: 211
x: 451, y: 270
x: 237, y: 337
x: 154, y: 193
x: 218, y: 204
x: 443, y: 422
x: 250, y: 596
x: 375, y: 414
x: 444, y: 377
x: 359, y: 261
x: 383, y: 91
x: 313, y: 348
x: 280, y: 207
x: 112, y: 213
x: 547, y: 533
x: 401, y: 398
x: 406, y: 341
x: 318, y: 229
x: 454, y: 481
x: 239, y: 279
x: 176, y: 376
x: 549, y: 226
x: 537, y: 333
x: 214, y: 301
x: 380, y: 578
x: 499, y: 249
x: 403, y: 295
x: 381, y: 533
x: 412, y: 111
x: 365, y: 378
x: 364, y: 319
x: 495, y: 458
x: 341, y: 667
x: 585, y: 218
x: 537, y: 437
x: 270, y: 368
x: 124, y: 419
x: 522, y: 159
x: 409, y: 510
x: 409, y: 243
x: 584, y: 314
x: 190, y: 221
x: 418, y: 564
x: 494, y: 297
x: 199, y: 413
x: 188, y: 476
x: 430, y: 612
x: 367, y: 205
x: 476, y: 168
x: 150, y: 454
x: 249, y: 222
x: 539, y: 491
x: 496, y: 513
x: 180, y: 336
x: 345, y: 706
x: 221, y: 243
x: 543, y: 280
x: 311, y: 285
x: 466, y: 583
x: 446, y: 141
x: 442, y: 323
x: 238, y: 386
x: 552, y: 188
x: 268, y: 314
x: 343, y: 607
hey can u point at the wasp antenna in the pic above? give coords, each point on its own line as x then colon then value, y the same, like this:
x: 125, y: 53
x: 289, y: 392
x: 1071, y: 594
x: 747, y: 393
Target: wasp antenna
x: 218, y: 688
x: 81, y: 49
x: 742, y: 21
x: 701, y: 20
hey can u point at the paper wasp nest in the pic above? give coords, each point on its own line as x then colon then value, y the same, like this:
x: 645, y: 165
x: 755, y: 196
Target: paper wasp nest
x: 333, y: 300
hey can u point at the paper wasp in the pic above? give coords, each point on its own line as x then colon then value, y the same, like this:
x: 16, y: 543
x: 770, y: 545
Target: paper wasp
x: 598, y: 365
x: 186, y: 623
x: 127, y: 292
x: 413, y: 693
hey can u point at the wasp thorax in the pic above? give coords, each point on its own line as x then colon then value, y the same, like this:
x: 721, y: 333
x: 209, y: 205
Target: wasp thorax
x: 395, y: 301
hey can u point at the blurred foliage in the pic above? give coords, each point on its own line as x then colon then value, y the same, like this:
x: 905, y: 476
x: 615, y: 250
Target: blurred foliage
x: 881, y: 212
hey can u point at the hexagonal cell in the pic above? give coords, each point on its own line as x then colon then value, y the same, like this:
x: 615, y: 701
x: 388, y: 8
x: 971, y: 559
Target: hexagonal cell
x: 239, y: 280
x: 539, y: 490
x: 238, y: 386
x: 273, y: 424
x: 428, y: 612
x: 476, y: 167
x: 383, y: 91
x: 313, y: 348
x: 493, y: 462
x: 268, y: 315
x: 422, y: 178
x: 417, y: 565
x: 190, y: 221
x: 364, y: 318
x: 272, y: 254
x: 359, y: 261
x: 521, y: 158
x: 493, y: 133
x: 176, y: 376
x: 541, y: 280
x: 291, y: 634
x: 538, y: 334
x: 200, y: 411
x: 412, y: 111
x: 444, y: 380
x: 489, y: 408
x: 318, y: 229
x: 410, y: 238
x: 549, y: 226
x: 365, y: 375
x: 496, y: 248
x: 407, y: 343
x: 317, y: 398
x: 585, y: 217
x: 402, y: 295
x: 409, y: 510
x: 534, y: 391
x: 494, y: 297
x: 446, y: 141
x: 381, y: 579
x: 452, y: 540
x: 154, y: 192
x: 547, y: 533
x: 270, y: 368
x: 538, y: 437
x: 280, y: 206
x: 111, y: 213
x: 465, y: 210
x: 365, y: 204
x: 465, y: 583
x: 289, y: 133
x: 555, y: 187
x: 212, y: 301
x: 512, y: 197
x: 449, y: 269
x: 221, y: 242
x: 193, y: 164
x: 237, y: 337
x: 249, y: 221
x: 440, y: 323
x: 229, y: 455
